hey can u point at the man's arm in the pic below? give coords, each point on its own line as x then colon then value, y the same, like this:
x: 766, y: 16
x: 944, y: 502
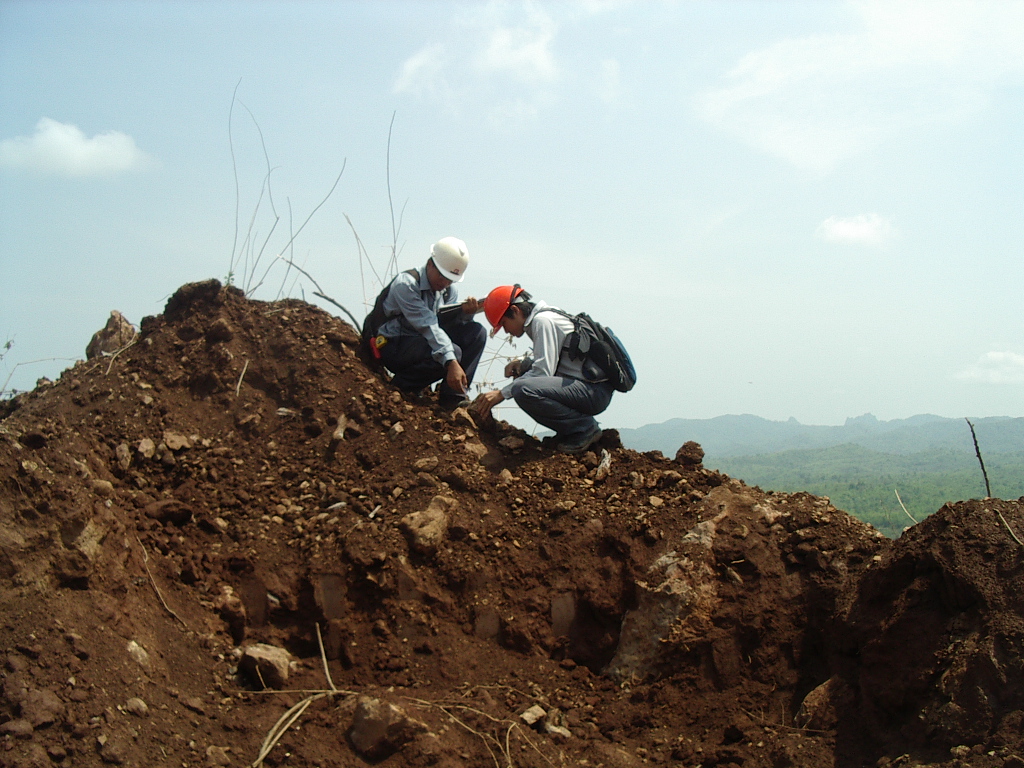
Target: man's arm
x: 418, y: 314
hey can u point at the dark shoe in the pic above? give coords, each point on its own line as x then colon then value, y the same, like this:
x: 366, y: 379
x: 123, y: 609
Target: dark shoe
x: 417, y: 396
x: 450, y: 404
x: 580, y: 443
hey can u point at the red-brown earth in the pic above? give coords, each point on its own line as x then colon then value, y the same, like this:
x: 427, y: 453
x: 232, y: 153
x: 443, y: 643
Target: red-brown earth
x: 236, y: 476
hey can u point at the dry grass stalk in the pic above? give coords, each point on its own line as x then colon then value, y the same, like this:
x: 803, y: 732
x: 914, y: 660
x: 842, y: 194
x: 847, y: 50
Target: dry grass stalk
x: 145, y: 564
x: 295, y: 711
x: 901, y: 504
x: 238, y: 386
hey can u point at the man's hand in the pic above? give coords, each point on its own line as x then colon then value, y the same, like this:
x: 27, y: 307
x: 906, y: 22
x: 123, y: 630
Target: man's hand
x: 455, y: 377
x: 485, y: 402
x: 513, y: 368
x: 471, y: 306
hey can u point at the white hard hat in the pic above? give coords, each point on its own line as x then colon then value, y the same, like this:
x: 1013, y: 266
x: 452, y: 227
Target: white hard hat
x: 451, y: 257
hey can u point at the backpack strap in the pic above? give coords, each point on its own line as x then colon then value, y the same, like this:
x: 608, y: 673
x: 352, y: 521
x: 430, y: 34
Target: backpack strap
x: 377, y: 317
x: 579, y: 343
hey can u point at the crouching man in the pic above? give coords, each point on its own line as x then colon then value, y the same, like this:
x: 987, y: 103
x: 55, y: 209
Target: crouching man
x: 418, y: 331
x: 557, y: 391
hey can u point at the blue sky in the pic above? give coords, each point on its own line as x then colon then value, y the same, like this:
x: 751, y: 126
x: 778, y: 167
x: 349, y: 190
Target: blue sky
x: 790, y: 209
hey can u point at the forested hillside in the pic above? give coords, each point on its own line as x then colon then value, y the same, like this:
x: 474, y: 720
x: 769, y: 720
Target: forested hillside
x: 864, y: 482
x: 861, y: 465
x: 747, y: 435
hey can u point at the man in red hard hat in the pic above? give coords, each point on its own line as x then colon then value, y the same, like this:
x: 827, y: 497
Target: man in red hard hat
x: 559, y: 392
x: 419, y: 332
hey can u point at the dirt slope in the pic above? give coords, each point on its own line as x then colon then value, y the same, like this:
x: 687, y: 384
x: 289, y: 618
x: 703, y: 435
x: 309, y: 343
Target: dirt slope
x: 238, y: 477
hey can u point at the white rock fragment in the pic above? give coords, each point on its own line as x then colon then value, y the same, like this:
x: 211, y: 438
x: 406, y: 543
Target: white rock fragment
x: 138, y: 654
x: 533, y: 715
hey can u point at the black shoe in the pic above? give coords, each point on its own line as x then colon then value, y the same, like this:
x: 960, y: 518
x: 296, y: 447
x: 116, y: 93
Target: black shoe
x: 451, y: 403
x: 580, y: 443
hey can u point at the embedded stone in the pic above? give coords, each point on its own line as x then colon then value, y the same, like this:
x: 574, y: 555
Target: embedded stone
x: 266, y: 664
x: 380, y: 729
x: 426, y: 530
x: 115, y: 335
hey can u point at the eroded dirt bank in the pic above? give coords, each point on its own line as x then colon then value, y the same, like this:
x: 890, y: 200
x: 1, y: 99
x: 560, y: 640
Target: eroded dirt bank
x: 237, y: 477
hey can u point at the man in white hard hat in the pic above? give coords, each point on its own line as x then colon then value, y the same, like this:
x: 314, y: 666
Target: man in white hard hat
x: 419, y: 331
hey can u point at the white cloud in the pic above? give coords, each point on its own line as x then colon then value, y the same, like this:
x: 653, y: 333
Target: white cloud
x: 996, y: 368
x: 503, y: 59
x: 62, y: 149
x: 422, y: 73
x: 865, y: 229
x: 501, y: 54
x: 522, y: 51
x: 819, y: 100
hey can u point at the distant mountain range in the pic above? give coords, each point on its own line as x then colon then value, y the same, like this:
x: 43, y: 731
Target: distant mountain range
x: 746, y: 435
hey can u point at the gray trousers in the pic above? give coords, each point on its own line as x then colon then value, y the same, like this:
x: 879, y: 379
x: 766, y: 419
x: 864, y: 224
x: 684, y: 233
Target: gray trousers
x: 565, y: 405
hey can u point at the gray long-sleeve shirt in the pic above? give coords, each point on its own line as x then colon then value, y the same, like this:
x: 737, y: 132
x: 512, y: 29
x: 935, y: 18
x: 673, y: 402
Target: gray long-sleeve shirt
x: 548, y: 331
x: 411, y: 307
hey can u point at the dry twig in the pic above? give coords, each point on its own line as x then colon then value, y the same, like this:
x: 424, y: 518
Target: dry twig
x: 393, y: 264
x: 291, y: 240
x: 319, y: 291
x: 977, y: 450
x: 503, y: 745
x: 901, y: 504
x: 238, y: 386
x: 117, y: 352
x: 32, y: 362
x: 295, y: 711
x: 145, y: 564
x: 1008, y: 528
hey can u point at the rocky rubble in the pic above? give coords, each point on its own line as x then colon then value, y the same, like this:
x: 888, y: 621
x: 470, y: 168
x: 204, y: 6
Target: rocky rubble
x: 228, y: 542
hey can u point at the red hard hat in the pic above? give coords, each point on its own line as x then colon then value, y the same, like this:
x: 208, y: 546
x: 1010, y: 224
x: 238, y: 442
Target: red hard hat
x: 498, y: 301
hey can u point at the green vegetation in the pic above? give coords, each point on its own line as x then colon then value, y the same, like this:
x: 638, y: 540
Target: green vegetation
x: 863, y: 482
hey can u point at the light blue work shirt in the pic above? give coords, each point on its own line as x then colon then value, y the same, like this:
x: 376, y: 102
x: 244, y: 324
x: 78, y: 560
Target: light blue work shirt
x: 411, y: 307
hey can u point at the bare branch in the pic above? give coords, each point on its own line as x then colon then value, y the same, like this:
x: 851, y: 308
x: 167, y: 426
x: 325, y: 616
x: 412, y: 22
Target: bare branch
x: 238, y: 386
x: 904, y: 508
x: 145, y: 564
x: 32, y: 362
x: 118, y: 351
x: 291, y: 228
x: 263, y: 144
x: 319, y: 291
x: 326, y: 197
x: 393, y: 261
x: 977, y: 450
x: 1008, y: 528
x: 234, y: 169
x: 391, y: 205
x: 361, y: 251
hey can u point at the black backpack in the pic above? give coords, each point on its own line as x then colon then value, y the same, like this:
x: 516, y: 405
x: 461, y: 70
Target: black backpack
x: 592, y: 341
x: 376, y: 318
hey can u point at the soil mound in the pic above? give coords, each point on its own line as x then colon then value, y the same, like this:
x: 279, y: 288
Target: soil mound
x: 231, y: 543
